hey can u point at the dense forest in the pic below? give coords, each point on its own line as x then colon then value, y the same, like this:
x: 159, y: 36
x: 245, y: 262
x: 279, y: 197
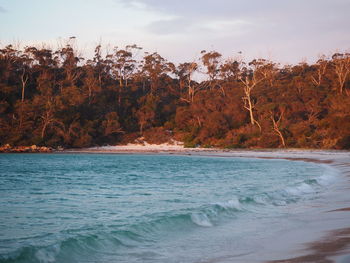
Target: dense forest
x: 57, y: 98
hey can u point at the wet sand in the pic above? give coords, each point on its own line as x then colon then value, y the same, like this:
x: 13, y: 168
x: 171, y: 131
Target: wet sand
x: 326, y: 237
x: 335, y: 244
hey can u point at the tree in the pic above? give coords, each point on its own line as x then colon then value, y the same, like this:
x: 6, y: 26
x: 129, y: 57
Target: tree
x: 123, y: 67
x: 147, y: 113
x: 277, y: 118
x: 69, y: 60
x: 230, y: 70
x: 185, y: 72
x: 47, y: 117
x: 250, y: 77
x: 111, y: 124
x: 154, y: 67
x: 211, y: 62
x: 341, y: 64
x: 26, y: 67
x: 320, y: 70
x: 91, y: 82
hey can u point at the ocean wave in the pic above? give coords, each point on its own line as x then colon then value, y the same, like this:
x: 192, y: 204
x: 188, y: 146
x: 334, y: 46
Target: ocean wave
x: 77, y: 247
x: 201, y: 219
x: 299, y: 190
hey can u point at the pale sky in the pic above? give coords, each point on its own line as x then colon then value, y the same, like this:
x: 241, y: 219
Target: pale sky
x: 282, y: 30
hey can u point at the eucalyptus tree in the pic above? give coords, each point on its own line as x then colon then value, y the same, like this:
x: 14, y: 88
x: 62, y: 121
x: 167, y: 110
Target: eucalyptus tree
x: 154, y: 68
x: 69, y: 59
x: 212, y: 62
x: 44, y: 100
x: 123, y: 67
x: 250, y: 76
x: 185, y: 73
x: 341, y: 64
x: 230, y: 70
x: 321, y: 67
x: 277, y: 118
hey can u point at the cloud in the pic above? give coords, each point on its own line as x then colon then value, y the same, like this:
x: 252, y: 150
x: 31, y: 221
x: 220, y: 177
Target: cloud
x: 187, y: 26
x: 169, y: 26
x: 232, y: 27
x: 288, y: 29
x: 224, y: 17
x: 215, y: 9
x: 277, y: 11
x: 232, y: 7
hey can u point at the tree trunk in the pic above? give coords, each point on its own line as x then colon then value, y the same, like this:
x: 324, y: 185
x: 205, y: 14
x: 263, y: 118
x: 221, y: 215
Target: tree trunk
x: 276, y: 128
x: 24, y: 80
x: 250, y: 109
x: 43, y: 130
x: 120, y: 92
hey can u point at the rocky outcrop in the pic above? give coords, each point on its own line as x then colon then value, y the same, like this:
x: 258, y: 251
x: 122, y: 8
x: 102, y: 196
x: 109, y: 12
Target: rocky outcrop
x: 24, y: 149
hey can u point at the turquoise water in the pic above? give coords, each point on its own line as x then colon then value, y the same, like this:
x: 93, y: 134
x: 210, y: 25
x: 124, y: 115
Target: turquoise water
x: 147, y: 208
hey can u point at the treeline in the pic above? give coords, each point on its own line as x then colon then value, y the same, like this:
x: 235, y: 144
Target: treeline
x: 57, y: 98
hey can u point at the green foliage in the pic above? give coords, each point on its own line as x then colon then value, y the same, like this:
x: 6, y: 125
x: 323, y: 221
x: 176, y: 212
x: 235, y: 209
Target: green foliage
x: 190, y: 145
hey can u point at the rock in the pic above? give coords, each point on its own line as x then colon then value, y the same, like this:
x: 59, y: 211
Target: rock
x: 5, y: 148
x: 24, y: 149
x: 60, y: 148
x: 44, y: 149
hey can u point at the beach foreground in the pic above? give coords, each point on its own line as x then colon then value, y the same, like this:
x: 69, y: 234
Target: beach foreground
x: 326, y: 236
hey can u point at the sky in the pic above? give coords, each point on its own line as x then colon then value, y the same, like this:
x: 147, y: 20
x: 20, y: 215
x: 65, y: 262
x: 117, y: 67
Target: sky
x: 286, y: 31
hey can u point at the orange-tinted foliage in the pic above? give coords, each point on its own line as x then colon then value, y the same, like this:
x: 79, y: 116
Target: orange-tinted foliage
x: 56, y: 98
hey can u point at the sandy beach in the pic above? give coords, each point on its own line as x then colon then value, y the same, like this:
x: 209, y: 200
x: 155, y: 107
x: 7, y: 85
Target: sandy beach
x: 326, y: 236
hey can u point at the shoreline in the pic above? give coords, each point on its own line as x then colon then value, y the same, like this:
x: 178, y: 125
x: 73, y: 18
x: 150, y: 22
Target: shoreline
x: 332, y: 243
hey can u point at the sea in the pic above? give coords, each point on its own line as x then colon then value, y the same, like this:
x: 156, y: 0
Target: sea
x: 152, y: 208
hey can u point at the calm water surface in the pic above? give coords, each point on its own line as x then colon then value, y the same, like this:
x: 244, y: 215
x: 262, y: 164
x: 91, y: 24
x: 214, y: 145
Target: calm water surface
x: 148, y: 208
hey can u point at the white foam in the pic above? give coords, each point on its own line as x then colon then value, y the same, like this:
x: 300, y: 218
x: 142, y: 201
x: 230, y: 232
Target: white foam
x: 48, y: 255
x: 301, y: 189
x: 231, y: 204
x: 329, y: 176
x: 260, y: 199
x: 201, y: 219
